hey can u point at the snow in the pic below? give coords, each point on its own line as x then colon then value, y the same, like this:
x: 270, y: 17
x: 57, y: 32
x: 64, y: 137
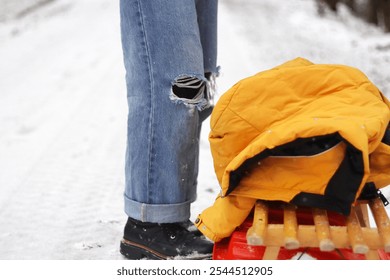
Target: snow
x: 63, y: 110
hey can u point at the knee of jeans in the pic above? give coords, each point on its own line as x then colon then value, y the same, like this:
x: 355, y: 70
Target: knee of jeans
x: 194, y: 91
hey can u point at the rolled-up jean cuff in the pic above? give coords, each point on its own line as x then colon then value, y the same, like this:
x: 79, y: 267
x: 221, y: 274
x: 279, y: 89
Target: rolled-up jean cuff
x: 157, y: 213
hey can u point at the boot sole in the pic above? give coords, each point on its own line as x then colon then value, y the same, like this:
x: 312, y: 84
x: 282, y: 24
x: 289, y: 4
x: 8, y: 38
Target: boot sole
x: 134, y: 251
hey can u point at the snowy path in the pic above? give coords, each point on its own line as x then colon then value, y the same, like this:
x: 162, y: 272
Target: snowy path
x: 63, y: 111
x: 62, y: 134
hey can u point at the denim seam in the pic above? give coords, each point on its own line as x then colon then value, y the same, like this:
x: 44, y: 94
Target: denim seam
x: 170, y: 213
x: 149, y: 179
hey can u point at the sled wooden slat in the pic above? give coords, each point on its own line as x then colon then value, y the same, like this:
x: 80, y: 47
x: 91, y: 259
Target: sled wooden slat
x: 355, y: 234
x: 307, y: 236
x: 382, y: 222
x: 321, y: 224
x: 290, y: 227
x: 361, y: 210
x: 271, y: 253
x: 372, y: 255
x: 256, y: 233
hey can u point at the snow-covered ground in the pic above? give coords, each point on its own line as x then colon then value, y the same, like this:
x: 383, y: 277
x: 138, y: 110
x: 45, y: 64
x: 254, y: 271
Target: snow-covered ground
x: 63, y: 110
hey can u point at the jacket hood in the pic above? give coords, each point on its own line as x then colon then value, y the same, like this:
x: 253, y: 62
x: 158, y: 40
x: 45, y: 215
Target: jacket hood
x: 265, y: 125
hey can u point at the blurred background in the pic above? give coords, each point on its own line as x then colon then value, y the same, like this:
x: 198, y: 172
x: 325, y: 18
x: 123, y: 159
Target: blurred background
x: 376, y: 12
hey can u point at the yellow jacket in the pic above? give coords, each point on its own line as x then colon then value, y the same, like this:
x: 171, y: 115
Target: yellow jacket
x: 311, y: 134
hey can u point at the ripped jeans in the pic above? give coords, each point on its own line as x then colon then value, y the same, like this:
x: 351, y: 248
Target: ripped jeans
x: 169, y: 50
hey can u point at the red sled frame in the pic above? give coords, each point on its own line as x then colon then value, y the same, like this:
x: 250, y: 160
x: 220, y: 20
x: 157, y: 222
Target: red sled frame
x: 279, y: 231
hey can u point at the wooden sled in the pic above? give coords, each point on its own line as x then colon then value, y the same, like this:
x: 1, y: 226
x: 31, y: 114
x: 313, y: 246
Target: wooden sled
x: 283, y: 231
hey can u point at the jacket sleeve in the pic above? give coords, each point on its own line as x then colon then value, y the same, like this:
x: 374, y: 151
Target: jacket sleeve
x: 221, y: 219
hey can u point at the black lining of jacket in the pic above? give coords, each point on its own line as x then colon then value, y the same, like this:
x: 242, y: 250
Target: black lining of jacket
x: 342, y: 187
x: 386, y: 136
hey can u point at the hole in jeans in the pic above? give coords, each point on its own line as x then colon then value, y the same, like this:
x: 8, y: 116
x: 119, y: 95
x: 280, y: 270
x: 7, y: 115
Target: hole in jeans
x: 192, y: 91
x: 188, y: 87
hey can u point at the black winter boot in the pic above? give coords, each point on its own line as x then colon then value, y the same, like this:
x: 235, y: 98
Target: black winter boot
x: 190, y: 226
x: 163, y: 241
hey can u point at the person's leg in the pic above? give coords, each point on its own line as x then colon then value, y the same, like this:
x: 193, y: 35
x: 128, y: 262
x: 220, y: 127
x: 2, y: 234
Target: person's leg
x: 162, y: 50
x: 207, y: 11
x: 167, y: 91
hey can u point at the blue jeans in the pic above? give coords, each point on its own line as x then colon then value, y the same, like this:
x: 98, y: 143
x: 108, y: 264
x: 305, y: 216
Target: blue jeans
x: 168, y: 47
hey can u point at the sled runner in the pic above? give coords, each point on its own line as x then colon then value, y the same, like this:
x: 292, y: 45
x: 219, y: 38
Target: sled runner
x: 283, y: 231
